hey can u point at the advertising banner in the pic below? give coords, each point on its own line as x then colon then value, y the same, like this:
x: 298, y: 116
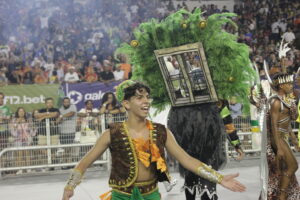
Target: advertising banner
x: 30, y: 97
x: 81, y: 92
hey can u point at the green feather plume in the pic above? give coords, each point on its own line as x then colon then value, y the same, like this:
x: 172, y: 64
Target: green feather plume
x: 227, y: 59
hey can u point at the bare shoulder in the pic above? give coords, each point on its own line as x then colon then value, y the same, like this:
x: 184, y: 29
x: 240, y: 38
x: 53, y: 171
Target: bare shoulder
x: 275, y: 103
x: 169, y: 134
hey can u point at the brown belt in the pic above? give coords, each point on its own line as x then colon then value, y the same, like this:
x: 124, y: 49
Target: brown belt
x: 144, y: 187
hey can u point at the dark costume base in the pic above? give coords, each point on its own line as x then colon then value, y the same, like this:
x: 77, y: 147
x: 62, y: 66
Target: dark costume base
x: 199, y: 130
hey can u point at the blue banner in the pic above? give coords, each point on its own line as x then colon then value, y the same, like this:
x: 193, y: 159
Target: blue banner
x: 81, y: 92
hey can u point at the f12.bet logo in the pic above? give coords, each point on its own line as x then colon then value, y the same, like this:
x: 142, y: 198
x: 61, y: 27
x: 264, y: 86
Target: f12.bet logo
x: 24, y: 99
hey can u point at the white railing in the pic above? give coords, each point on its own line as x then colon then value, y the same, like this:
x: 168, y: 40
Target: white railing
x: 48, y: 147
x: 44, y: 145
x: 250, y: 142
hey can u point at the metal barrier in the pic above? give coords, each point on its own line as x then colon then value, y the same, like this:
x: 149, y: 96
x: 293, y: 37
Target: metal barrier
x: 250, y: 142
x: 42, y: 145
x: 47, y: 144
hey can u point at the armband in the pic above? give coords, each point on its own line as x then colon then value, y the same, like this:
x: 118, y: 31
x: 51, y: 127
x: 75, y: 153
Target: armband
x: 210, y: 174
x: 74, y: 179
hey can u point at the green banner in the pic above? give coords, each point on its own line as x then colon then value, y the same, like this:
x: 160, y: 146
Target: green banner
x: 30, y: 97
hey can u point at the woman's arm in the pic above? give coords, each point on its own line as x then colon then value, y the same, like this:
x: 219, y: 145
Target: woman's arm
x: 274, y: 114
x: 103, y: 108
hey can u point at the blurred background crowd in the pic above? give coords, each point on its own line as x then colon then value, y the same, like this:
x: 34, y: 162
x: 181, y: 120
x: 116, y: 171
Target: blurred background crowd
x: 75, y: 41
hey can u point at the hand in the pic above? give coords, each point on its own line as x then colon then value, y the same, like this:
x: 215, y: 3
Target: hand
x: 105, y: 103
x: 230, y: 183
x: 241, y: 154
x: 67, y: 194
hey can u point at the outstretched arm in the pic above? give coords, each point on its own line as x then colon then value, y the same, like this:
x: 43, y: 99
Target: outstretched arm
x: 200, y: 168
x: 75, y: 178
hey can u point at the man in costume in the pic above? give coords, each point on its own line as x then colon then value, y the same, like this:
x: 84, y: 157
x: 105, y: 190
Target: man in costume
x: 231, y: 131
x: 281, y: 166
x: 198, y: 128
x: 137, y: 148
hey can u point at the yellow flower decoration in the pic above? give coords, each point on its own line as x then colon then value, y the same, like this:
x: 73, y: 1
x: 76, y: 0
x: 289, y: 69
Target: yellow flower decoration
x: 134, y: 43
x: 231, y: 79
x: 202, y: 24
x: 184, y: 25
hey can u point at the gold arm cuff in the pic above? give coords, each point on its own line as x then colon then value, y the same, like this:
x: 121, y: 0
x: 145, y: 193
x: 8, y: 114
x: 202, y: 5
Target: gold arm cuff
x: 210, y: 174
x: 74, y: 179
x: 69, y: 187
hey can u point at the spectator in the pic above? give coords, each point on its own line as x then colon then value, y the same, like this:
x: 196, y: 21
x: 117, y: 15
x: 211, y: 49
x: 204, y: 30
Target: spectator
x: 110, y: 104
x: 51, y: 113
x: 126, y: 67
x: 235, y: 108
x: 106, y: 76
x: 289, y: 36
x: 40, y: 76
x: 90, y: 75
x: 28, y: 78
x: 71, y: 76
x: 67, y: 119
x: 60, y: 72
x: 119, y: 74
x: 95, y: 64
x: 49, y: 67
x: 224, y: 10
x: 54, y: 78
x: 108, y: 64
x: 22, y: 130
x: 3, y: 79
x: 89, y: 121
x: 4, y: 118
x: 170, y: 66
x: 89, y: 110
x: 45, y: 115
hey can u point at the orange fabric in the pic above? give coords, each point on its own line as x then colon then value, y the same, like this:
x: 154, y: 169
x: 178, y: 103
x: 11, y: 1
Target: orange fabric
x: 143, y: 147
x: 156, y: 157
x: 106, y: 196
x: 91, y: 77
x: 40, y: 79
x: 126, y: 68
x: 149, y: 125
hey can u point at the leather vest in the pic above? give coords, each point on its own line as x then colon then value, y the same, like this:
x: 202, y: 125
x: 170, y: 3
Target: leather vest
x: 124, y: 166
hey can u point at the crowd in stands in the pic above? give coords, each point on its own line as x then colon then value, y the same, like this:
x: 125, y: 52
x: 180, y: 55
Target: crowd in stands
x: 262, y: 26
x: 68, y: 41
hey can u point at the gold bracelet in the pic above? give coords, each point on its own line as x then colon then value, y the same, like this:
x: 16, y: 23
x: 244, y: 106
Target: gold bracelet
x: 210, y: 174
x: 74, y: 179
x: 69, y: 187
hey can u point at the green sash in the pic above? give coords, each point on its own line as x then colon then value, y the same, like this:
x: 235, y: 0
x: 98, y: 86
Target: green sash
x: 136, y: 195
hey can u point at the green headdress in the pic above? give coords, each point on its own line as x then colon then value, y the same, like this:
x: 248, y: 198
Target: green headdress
x: 120, y: 89
x: 227, y: 59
